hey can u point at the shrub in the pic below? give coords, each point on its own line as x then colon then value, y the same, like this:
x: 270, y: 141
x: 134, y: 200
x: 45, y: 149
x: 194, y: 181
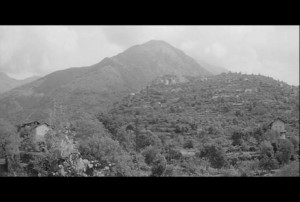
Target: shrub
x: 285, y: 151
x: 189, y: 144
x: 150, y: 154
x: 246, y: 168
x: 9, y: 139
x: 159, y: 166
x: 268, y: 160
x: 169, y: 171
x: 145, y: 139
x: 231, y: 172
x: 266, y: 149
x: 173, y: 153
x: 268, y: 163
x: 215, y: 154
x: 106, y: 150
x: 236, y: 137
x: 271, y: 136
x: 291, y: 169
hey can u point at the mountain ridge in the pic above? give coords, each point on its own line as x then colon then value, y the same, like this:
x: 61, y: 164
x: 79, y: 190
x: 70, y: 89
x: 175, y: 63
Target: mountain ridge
x: 7, y: 83
x: 95, y: 87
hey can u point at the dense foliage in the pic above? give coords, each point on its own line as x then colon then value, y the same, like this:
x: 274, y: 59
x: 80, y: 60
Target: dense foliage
x: 215, y: 126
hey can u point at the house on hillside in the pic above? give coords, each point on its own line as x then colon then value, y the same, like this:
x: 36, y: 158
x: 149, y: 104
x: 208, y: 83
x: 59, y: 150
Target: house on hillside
x: 279, y: 126
x: 40, y: 129
x: 28, y: 125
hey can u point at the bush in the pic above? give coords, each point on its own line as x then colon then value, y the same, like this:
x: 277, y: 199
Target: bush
x: 9, y: 139
x: 159, y: 166
x: 169, y: 171
x: 231, y: 172
x: 291, y: 169
x: 271, y: 136
x: 266, y: 149
x: 237, y: 138
x: 267, y: 161
x: 189, y: 144
x: 215, y: 154
x: 173, y: 153
x: 285, y: 151
x: 147, y: 138
x: 246, y: 168
x: 150, y: 154
x: 106, y: 150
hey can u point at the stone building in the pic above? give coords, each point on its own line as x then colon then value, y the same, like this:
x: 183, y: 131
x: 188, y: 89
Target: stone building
x: 279, y: 126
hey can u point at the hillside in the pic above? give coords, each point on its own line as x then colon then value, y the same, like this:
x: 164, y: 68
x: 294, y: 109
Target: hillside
x: 185, y: 116
x: 244, y: 99
x: 95, y: 87
x: 7, y: 83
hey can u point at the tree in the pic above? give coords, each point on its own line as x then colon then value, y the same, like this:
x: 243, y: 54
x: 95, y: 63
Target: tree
x: 9, y: 146
x: 272, y: 136
x: 215, y: 154
x: 267, y: 158
x: 145, y: 139
x: 285, y: 151
x: 238, y: 113
x: 150, y: 154
x: 169, y: 171
x: 159, y: 166
x: 9, y: 139
x: 106, y: 151
x: 236, y: 137
x: 85, y: 128
x: 188, y: 144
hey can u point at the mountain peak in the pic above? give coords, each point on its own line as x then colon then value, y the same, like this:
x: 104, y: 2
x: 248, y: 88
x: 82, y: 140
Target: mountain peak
x: 155, y: 41
x: 158, y: 44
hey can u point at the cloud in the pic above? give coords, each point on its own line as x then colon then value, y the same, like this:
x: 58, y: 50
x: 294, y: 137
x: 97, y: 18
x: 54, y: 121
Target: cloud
x: 126, y: 36
x: 269, y: 50
x: 217, y: 50
x: 36, y: 49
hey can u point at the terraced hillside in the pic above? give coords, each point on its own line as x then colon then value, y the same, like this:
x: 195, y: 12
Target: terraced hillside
x: 190, y: 113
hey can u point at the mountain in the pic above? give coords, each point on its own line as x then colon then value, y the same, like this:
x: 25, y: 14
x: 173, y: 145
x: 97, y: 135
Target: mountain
x: 215, y: 70
x: 7, y: 83
x: 96, y: 87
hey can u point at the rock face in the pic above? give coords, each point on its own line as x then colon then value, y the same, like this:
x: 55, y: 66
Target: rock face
x: 96, y: 87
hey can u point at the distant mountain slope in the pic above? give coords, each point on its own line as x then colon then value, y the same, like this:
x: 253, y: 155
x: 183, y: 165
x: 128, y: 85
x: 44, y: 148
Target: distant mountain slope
x: 223, y: 101
x: 7, y: 83
x: 215, y: 70
x: 95, y: 87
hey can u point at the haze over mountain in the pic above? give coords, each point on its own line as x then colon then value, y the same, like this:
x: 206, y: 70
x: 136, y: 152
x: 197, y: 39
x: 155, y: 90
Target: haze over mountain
x: 96, y: 87
x: 7, y: 83
x: 214, y: 69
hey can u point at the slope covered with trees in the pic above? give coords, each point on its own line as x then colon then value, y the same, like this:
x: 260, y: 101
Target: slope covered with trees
x: 95, y: 87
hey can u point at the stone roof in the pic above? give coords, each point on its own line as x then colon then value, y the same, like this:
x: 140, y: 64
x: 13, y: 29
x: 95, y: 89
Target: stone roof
x: 280, y: 119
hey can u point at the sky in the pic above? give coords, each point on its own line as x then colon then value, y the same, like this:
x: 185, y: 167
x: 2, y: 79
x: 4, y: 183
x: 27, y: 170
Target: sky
x: 39, y: 50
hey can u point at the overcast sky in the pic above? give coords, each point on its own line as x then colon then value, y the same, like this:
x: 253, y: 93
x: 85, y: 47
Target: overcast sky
x: 40, y: 50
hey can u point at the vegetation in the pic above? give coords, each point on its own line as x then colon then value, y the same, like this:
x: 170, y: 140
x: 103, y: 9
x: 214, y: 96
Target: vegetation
x: 200, y: 127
